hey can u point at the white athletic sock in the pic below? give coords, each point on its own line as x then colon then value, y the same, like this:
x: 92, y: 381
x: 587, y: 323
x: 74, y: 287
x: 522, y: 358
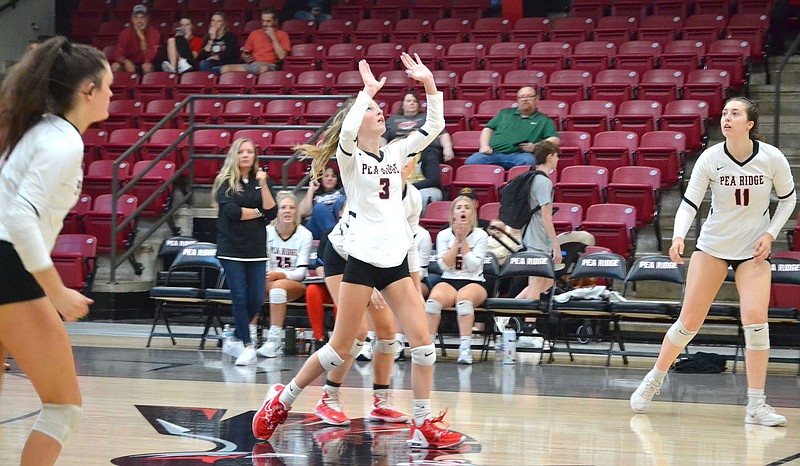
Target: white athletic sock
x: 656, y: 375
x: 381, y: 393
x: 330, y: 390
x: 466, y: 341
x: 422, y: 409
x: 371, y: 335
x: 755, y: 395
x: 274, y: 331
x: 290, y: 393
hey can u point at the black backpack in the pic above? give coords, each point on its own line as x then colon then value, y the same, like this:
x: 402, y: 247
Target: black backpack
x: 515, y: 210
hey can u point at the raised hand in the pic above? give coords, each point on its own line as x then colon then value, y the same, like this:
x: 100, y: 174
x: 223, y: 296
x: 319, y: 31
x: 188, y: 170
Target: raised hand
x: 371, y: 85
x: 415, y: 69
x: 261, y: 175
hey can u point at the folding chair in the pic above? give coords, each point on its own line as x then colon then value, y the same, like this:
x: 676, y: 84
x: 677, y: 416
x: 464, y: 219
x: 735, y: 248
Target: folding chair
x: 525, y: 264
x: 596, y: 265
x: 188, y: 299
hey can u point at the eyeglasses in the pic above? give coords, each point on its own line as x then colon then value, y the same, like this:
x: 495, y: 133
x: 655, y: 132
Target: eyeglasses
x: 526, y: 97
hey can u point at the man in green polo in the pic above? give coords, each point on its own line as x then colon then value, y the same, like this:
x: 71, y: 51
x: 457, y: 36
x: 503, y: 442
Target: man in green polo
x: 508, y: 138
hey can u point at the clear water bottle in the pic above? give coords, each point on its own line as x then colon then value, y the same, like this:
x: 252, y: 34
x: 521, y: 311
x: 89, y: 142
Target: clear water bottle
x: 498, y: 349
x: 509, y: 346
x: 227, y: 332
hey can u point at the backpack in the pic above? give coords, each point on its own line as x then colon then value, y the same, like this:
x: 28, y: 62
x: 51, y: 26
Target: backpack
x: 515, y: 211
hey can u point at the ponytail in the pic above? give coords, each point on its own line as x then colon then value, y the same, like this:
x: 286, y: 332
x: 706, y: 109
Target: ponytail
x: 45, y: 80
x: 322, y: 153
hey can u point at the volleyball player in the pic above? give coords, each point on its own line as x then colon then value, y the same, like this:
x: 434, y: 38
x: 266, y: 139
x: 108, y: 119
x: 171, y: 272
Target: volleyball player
x: 377, y: 244
x: 47, y: 101
x: 742, y: 171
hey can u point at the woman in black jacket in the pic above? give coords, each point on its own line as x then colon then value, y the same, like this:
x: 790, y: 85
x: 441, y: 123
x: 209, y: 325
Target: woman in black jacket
x: 244, y: 196
x: 220, y: 46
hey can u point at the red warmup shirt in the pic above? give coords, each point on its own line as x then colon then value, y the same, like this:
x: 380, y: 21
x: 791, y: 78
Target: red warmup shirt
x: 128, y: 45
x: 261, y: 45
x: 196, y: 45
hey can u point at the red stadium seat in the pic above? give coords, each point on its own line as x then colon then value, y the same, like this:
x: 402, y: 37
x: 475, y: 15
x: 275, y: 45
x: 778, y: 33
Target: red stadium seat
x: 616, y: 86
x: 485, y: 180
x: 458, y: 115
x: 409, y: 31
x: 613, y: 149
x: 74, y: 257
x: 161, y: 140
x: 313, y: 83
x: 299, y: 30
x: 282, y: 112
x: 349, y: 12
x: 488, y: 31
x: 99, y: 177
x: 640, y: 187
x: 683, y: 55
x: 487, y: 109
x: 478, y: 85
x: 303, y: 57
x: 489, y: 211
x: 446, y: 176
x: 195, y: 82
x: 273, y: 82
x: 515, y: 80
x: 393, y: 10
x: 615, y: 29
x: 574, y: 148
x: 591, y: 116
x: 472, y: 10
x: 156, y: 85
x: 384, y: 56
x: 582, y: 184
x: 555, y: 109
x: 318, y: 112
x: 123, y: 113
x: 98, y: 222
x: 235, y: 82
x: 73, y: 222
x: 673, y: 8
x: 663, y: 86
x: 593, y: 56
x: 733, y: 56
x: 342, y: 57
x: 613, y: 227
x: 241, y: 112
x: 463, y: 57
x: 261, y: 137
x: 333, y: 31
x: 571, y: 30
x: 638, y: 116
x: 689, y: 117
x: 283, y: 146
x: 638, y: 55
x: 548, y: 57
x: 93, y: 140
x: 505, y: 57
x: 704, y: 27
x: 446, y: 81
x: 209, y: 142
x: 124, y: 84
x: 449, y: 31
x: 153, y: 179
x: 664, y: 150
x: 465, y: 143
x: 370, y: 31
x: 429, y: 52
x: 530, y: 30
x: 659, y: 28
x: 587, y: 8
x: 716, y: 7
x: 568, y: 86
x: 119, y: 142
x: 430, y: 9
x: 567, y: 216
x: 156, y: 111
x: 437, y: 218
x: 203, y: 111
x: 751, y: 28
x: 348, y: 82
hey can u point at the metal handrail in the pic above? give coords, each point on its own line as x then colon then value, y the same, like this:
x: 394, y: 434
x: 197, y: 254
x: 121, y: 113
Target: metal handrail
x: 9, y: 4
x: 776, y: 139
x: 117, y: 192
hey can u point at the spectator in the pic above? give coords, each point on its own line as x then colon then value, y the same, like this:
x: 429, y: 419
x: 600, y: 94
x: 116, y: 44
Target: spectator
x: 427, y: 176
x: 219, y: 45
x: 508, y: 138
x: 138, y: 45
x: 181, y: 51
x: 264, y: 47
x: 289, y: 248
x: 322, y: 203
x: 781, y: 10
x: 461, y: 249
x: 314, y: 10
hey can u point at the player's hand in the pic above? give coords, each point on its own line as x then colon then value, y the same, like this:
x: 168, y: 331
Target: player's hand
x: 557, y: 258
x: 415, y: 69
x: 763, y: 246
x: 261, y: 175
x: 371, y: 85
x: 274, y: 275
x: 676, y: 250
x: 71, y: 304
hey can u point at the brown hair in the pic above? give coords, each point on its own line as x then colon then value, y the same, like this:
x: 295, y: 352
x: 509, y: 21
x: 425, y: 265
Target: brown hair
x: 544, y: 148
x: 45, y: 80
x: 321, y: 153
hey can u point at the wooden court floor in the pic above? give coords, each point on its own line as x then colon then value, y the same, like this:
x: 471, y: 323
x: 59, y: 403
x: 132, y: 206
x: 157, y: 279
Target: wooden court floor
x: 180, y: 406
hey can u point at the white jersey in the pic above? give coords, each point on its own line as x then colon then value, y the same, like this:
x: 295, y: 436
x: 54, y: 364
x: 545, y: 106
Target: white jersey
x: 379, y: 234
x: 412, y: 206
x: 422, y: 238
x: 39, y: 183
x: 740, y: 196
x: 471, y: 262
x: 290, y: 255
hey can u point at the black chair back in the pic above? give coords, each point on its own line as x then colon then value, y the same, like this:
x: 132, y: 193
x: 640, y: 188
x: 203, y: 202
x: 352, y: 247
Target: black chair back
x: 600, y: 265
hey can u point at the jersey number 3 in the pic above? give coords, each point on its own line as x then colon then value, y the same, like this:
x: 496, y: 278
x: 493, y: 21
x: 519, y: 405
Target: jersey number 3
x: 742, y: 196
x: 384, y: 193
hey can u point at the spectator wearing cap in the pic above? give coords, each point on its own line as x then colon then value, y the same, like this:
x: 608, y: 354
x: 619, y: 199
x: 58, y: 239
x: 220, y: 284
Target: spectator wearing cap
x: 137, y: 45
x: 264, y: 47
x: 508, y: 138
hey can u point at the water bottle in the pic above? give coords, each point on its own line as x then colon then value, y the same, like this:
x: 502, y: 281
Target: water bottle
x: 498, y: 349
x: 301, y: 341
x: 509, y: 346
x: 289, y: 341
x: 226, y: 331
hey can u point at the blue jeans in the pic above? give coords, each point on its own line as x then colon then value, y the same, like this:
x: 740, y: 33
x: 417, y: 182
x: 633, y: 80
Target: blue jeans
x: 248, y: 283
x: 323, y: 218
x: 504, y: 160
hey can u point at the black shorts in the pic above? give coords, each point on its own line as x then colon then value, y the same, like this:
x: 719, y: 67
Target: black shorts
x: 332, y: 262
x: 16, y: 283
x: 732, y: 263
x: 459, y: 283
x: 362, y: 273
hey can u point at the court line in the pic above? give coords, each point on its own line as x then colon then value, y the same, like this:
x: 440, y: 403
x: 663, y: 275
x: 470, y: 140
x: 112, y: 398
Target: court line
x: 19, y: 418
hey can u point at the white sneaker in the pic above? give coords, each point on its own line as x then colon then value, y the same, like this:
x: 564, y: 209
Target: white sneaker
x: 366, y: 352
x: 183, y: 66
x: 764, y: 414
x: 464, y: 355
x: 248, y: 357
x: 167, y: 66
x: 233, y: 347
x: 530, y: 342
x: 641, y: 398
x: 272, y: 348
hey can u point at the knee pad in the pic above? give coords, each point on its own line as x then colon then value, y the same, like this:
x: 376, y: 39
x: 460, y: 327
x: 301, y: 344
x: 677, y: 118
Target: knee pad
x: 328, y: 358
x: 756, y: 337
x: 386, y: 346
x: 465, y: 308
x: 433, y: 307
x: 277, y: 296
x: 424, y: 355
x: 679, y: 335
x: 58, y: 421
x: 356, y: 348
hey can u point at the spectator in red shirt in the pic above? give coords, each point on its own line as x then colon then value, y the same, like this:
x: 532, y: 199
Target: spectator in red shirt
x: 264, y: 47
x: 138, y: 44
x: 180, y: 52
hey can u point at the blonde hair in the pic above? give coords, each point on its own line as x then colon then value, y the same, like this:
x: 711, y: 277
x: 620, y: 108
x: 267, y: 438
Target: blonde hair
x: 322, y: 153
x: 229, y: 173
x: 473, y: 221
x: 280, y: 198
